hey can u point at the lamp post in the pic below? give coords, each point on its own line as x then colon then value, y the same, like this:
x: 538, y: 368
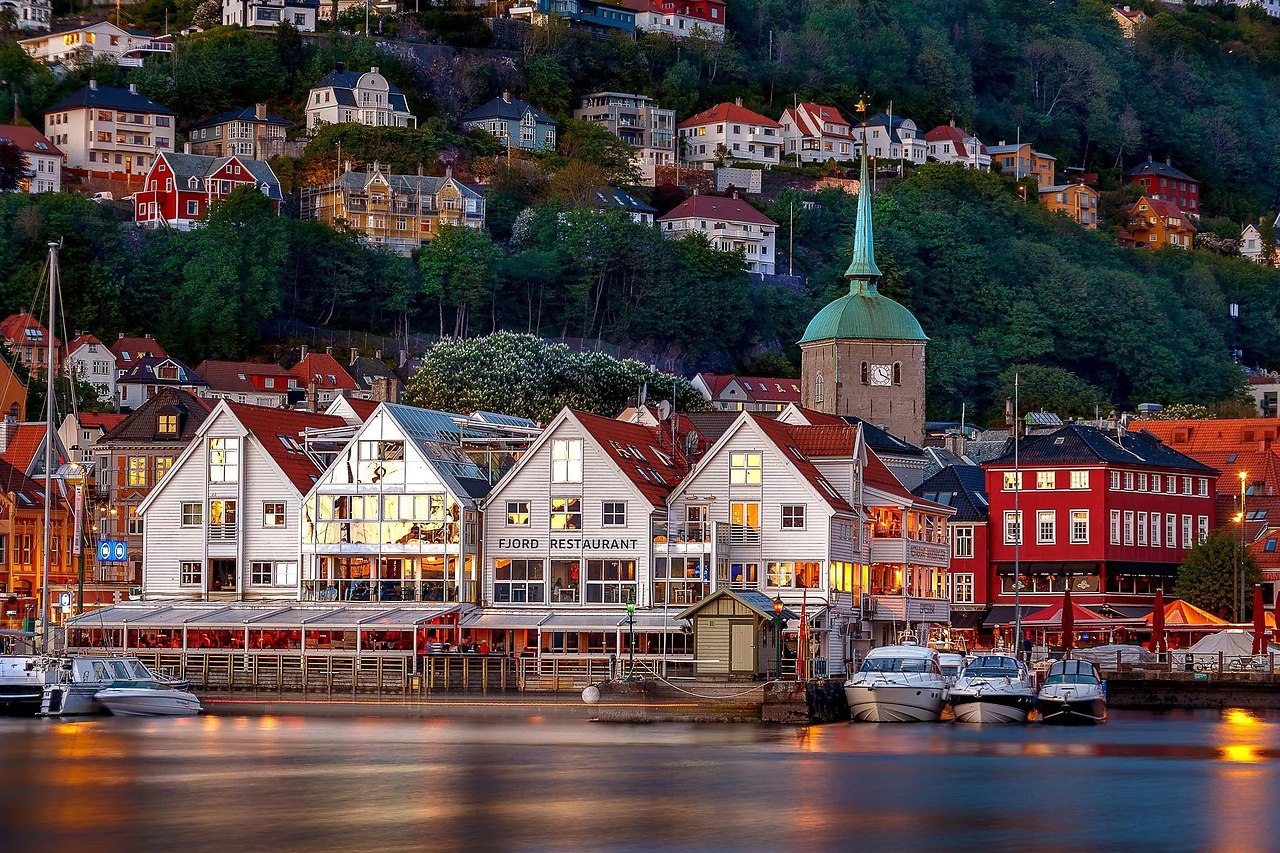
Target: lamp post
x: 1244, y: 479
x: 777, y: 637
x: 631, y: 640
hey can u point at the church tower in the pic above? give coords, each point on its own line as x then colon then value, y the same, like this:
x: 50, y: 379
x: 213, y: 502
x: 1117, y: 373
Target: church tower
x: 863, y: 354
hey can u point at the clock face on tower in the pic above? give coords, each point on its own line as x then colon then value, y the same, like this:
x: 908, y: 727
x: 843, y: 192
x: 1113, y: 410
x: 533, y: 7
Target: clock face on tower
x: 882, y: 374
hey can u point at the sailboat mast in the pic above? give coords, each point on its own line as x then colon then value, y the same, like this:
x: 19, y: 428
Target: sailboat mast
x: 50, y: 382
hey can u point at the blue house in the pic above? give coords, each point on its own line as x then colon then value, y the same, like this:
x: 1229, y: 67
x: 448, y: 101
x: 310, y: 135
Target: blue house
x: 590, y: 15
x: 516, y: 123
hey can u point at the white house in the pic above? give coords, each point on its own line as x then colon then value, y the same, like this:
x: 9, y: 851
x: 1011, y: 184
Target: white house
x: 349, y: 96
x: 30, y: 15
x: 730, y: 224
x: 225, y: 522
x: 43, y: 159
x: 893, y: 137
x: 271, y: 13
x: 147, y: 375
x: 92, y: 361
x: 83, y: 44
x: 815, y: 133
x: 730, y: 132
x: 1251, y: 244
x: 110, y: 132
x: 81, y: 431
x: 951, y: 144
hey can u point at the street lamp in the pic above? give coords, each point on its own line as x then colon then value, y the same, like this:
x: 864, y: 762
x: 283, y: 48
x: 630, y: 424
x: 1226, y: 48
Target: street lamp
x: 631, y: 640
x: 1244, y: 478
x: 777, y: 637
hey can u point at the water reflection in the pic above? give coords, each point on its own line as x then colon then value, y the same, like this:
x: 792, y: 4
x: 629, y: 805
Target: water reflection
x: 1178, y: 781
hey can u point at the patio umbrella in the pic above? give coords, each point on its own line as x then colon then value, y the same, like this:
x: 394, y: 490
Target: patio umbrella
x: 1068, y: 622
x: 1157, y: 623
x: 1259, y: 621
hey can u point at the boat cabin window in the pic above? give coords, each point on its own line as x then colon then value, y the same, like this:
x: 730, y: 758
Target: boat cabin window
x: 100, y: 671
x: 900, y: 665
x: 1072, y: 672
x: 992, y: 666
x: 140, y: 670
x: 119, y: 669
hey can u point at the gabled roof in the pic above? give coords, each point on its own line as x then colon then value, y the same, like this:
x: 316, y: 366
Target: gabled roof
x: 81, y: 341
x: 80, y: 26
x: 1154, y: 167
x: 728, y: 111
x: 788, y: 440
x: 143, y: 372
x: 358, y: 182
x: 24, y: 442
x: 187, y: 166
x: 364, y: 370
x: 617, y: 438
x: 810, y: 117
x: 961, y: 487
x: 1230, y: 445
x: 710, y: 425
x: 1164, y: 208
x: 613, y: 198
x: 752, y: 599
x: 111, y: 98
x: 128, y: 350
x: 758, y: 388
x: 340, y: 78
x: 958, y: 138
x: 239, y: 114
x: 269, y: 426
x: 28, y: 139
x: 325, y: 371
x: 512, y: 109
x: 1076, y: 443
x: 364, y: 409
x: 713, y: 207
x: 14, y: 328
x: 234, y: 375
x: 876, y: 438
x: 100, y: 420
x: 28, y: 493
x: 435, y: 434
x: 140, y: 427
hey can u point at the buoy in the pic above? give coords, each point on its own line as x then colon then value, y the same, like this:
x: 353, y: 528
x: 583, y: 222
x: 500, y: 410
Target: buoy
x: 591, y: 694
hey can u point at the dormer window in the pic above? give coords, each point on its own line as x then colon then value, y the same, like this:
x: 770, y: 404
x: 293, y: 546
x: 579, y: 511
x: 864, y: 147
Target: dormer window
x: 167, y: 424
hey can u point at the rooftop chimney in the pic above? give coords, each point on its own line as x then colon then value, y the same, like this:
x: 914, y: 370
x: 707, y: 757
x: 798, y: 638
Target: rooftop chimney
x: 506, y: 96
x: 737, y: 101
x: 339, y: 67
x: 260, y: 112
x: 377, y: 354
x: 385, y: 389
x: 404, y: 358
x: 355, y: 353
x: 328, y: 350
x: 312, y: 397
x: 348, y: 166
x: 93, y: 85
x: 304, y: 353
x: 186, y: 148
x: 373, y: 69
x: 133, y: 88
x: 147, y: 336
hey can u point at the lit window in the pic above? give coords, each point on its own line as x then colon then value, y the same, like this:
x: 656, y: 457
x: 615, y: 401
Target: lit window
x: 1046, y: 479
x: 224, y: 459
x: 1079, y: 479
x: 1079, y: 527
x: 273, y: 514
x: 517, y: 513
x: 566, y: 513
x: 745, y: 469
x: 566, y: 460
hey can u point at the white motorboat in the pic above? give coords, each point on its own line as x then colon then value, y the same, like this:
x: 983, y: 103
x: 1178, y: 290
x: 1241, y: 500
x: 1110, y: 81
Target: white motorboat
x: 77, y: 684
x: 21, y: 684
x: 1072, y: 695
x: 952, y: 664
x: 993, y: 688
x: 897, y: 684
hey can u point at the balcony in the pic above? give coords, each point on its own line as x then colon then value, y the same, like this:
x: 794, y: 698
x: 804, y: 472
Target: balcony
x: 222, y: 532
x: 910, y: 552
x: 898, y: 608
x: 692, y: 537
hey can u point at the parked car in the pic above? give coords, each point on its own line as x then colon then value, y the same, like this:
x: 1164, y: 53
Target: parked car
x: 101, y: 197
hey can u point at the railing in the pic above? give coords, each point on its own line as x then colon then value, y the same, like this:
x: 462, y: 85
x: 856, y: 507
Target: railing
x: 910, y: 608
x: 691, y: 535
x: 741, y: 534
x: 222, y: 532
x: 574, y: 672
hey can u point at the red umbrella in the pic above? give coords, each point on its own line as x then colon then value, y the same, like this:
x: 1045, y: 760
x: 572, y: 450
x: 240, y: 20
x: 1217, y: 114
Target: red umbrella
x: 1068, y: 622
x: 1259, y: 621
x: 1157, y: 623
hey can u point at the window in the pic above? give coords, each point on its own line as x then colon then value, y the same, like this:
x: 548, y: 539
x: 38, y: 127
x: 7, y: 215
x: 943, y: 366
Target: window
x: 566, y: 513
x: 273, y: 574
x: 1115, y: 527
x: 1156, y: 483
x: 167, y: 425
x: 193, y: 209
x: 1045, y: 479
x: 962, y: 588
x: 1202, y: 487
x: 1186, y: 531
x: 793, y: 575
x: 222, y: 520
x: 518, y: 581
x: 137, y: 470
x: 190, y: 574
x: 135, y: 523
x: 1128, y: 527
x: 1202, y: 528
x: 866, y: 373
x: 566, y: 460
x: 611, y: 581
x: 1079, y: 479
x: 163, y: 464
x: 1155, y: 530
x: 260, y: 574
x: 1171, y: 531
x: 1128, y: 481
x: 1012, y: 528
x: 1079, y: 527
x: 1142, y: 528
x: 744, y: 523
x: 1186, y: 485
x: 224, y: 459
x: 793, y: 517
x: 818, y: 389
x: 1012, y: 481
x: 517, y: 513
x: 613, y: 514
x: 1142, y: 482
x: 745, y: 469
x: 192, y: 515
x: 273, y: 514
x: 962, y: 542
x: 1115, y: 480
x: 1046, y: 527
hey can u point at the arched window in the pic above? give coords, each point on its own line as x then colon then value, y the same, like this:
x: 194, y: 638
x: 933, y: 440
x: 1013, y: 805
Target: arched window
x: 866, y: 374
x: 817, y: 389
x: 897, y: 373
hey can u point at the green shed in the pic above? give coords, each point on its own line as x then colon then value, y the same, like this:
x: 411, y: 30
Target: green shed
x: 733, y: 634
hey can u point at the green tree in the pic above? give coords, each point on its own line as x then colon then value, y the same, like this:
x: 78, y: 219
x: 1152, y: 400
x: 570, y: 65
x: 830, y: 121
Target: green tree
x: 460, y: 268
x: 587, y: 142
x: 12, y: 166
x: 1208, y: 575
x: 549, y: 88
x: 1049, y: 389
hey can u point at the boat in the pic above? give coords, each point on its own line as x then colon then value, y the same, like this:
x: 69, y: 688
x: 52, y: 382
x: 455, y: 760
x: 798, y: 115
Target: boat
x: 80, y: 685
x: 1072, y: 695
x: 993, y: 688
x: 897, y: 684
x: 952, y: 663
x: 21, y: 684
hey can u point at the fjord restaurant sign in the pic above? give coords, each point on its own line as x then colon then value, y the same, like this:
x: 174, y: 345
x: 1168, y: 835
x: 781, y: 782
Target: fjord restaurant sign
x: 571, y: 543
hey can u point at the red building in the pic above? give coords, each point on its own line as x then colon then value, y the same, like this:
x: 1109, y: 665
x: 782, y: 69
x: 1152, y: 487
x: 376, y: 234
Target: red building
x: 1113, y: 515
x: 178, y: 188
x: 26, y: 337
x: 963, y: 488
x: 1163, y: 182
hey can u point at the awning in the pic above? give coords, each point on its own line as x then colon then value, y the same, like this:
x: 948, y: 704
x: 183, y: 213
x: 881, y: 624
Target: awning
x: 1004, y: 614
x: 650, y: 622
x: 585, y: 622
x: 966, y: 619
x: 363, y: 617
x: 499, y: 621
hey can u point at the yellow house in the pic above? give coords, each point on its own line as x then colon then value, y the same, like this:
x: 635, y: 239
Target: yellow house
x: 1128, y: 20
x: 400, y: 212
x: 1154, y: 223
x: 1078, y: 202
x: 1021, y: 160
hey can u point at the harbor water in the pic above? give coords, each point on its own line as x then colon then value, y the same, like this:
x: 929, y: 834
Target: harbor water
x: 1175, y: 781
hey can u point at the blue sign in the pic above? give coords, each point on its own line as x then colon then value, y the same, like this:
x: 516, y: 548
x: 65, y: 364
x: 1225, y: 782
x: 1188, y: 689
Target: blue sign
x: 112, y: 551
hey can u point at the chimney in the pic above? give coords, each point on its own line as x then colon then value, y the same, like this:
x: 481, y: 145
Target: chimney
x: 304, y: 353
x: 8, y: 428
x: 312, y: 397
x: 373, y: 69
x: 120, y: 337
x: 339, y: 67
x: 22, y: 310
x: 186, y: 148
x: 377, y: 354
x: 737, y: 102
x: 1148, y: 156
x: 77, y: 334
x: 355, y: 353
x: 328, y: 350
x: 448, y: 171
x: 404, y: 358
x: 506, y: 96
x: 260, y: 112
x: 93, y: 85
x: 419, y: 170
x: 385, y: 389
x: 133, y: 88
x: 952, y: 122
x: 347, y: 166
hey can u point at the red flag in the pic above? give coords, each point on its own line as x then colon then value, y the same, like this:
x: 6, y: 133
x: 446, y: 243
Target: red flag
x: 800, y: 645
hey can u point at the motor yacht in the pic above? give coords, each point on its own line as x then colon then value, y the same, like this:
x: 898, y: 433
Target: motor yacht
x: 993, y: 688
x: 21, y: 684
x: 1072, y: 695
x: 93, y: 685
x: 897, y: 684
x: 952, y: 663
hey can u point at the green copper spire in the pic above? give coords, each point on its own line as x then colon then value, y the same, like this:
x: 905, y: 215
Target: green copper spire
x: 862, y: 269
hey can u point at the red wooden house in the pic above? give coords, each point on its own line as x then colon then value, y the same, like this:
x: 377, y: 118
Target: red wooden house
x: 179, y: 188
x: 1161, y: 181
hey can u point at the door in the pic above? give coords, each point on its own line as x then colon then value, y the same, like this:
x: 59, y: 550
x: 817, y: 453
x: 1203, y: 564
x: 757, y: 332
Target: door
x: 742, y: 648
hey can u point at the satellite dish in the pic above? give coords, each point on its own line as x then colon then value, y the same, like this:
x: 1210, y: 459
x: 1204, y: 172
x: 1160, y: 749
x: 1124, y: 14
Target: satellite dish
x: 664, y: 409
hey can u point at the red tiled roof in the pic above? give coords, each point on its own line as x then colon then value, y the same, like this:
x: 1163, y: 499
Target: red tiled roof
x: 1167, y: 210
x: 1230, y: 445
x: 363, y: 408
x: 324, y: 370
x: 808, y: 111
x: 609, y: 432
x: 825, y: 440
x: 784, y: 437
x: 104, y: 422
x: 14, y: 328
x: 728, y: 111
x: 268, y: 425
x: 136, y: 348
x: 81, y: 341
x: 27, y: 137
x: 233, y: 375
x: 23, y: 444
x: 956, y: 136
x: 12, y: 479
x: 715, y: 207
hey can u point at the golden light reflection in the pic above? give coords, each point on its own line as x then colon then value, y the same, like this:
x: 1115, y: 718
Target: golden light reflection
x: 1241, y: 718
x: 1241, y: 753
x: 268, y: 723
